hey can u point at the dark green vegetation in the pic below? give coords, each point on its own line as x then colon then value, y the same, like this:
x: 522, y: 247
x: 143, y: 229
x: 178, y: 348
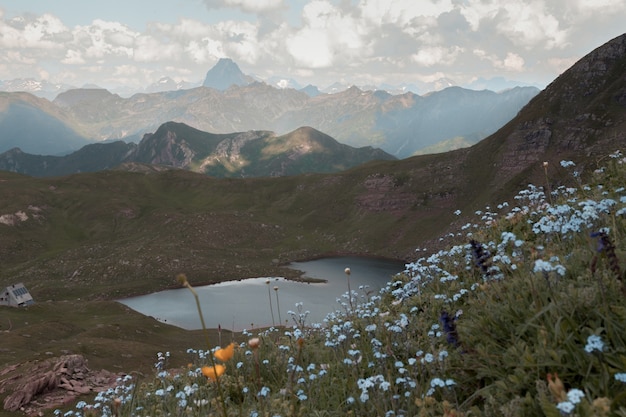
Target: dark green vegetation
x: 105, y: 235
x: 108, y: 333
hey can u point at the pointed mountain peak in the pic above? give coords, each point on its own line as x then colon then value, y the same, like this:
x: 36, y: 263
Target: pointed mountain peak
x: 224, y: 74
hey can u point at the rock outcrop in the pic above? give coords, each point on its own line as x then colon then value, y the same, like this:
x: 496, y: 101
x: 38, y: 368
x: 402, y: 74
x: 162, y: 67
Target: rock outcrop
x: 37, y: 386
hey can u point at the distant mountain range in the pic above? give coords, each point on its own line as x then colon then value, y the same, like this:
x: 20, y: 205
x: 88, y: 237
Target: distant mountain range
x: 176, y: 145
x: 226, y: 73
x: 398, y: 124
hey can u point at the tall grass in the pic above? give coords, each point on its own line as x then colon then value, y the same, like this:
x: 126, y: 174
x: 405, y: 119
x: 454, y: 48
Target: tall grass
x: 524, y: 314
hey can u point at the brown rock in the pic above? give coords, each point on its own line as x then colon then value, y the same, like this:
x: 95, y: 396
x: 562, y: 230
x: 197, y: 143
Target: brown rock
x: 55, y: 382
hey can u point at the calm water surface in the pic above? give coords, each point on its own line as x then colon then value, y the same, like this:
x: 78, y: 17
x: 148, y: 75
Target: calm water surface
x: 245, y: 304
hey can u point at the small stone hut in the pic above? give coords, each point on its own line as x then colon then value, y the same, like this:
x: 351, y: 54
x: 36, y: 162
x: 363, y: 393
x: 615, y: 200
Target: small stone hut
x: 16, y: 295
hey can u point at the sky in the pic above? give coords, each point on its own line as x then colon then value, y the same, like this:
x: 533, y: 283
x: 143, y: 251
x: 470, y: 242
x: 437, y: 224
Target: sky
x: 134, y: 43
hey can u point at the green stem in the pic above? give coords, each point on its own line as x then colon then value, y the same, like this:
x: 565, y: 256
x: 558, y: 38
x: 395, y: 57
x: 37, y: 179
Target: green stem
x: 208, y: 344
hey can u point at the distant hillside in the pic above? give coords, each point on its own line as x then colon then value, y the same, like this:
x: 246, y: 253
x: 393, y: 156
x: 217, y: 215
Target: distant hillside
x: 36, y: 126
x: 176, y: 145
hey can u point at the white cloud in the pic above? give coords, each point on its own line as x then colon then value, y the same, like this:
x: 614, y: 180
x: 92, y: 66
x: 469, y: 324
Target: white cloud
x: 599, y: 5
x: 18, y: 57
x: 205, y: 50
x: 44, y: 32
x: 239, y: 40
x: 431, y: 56
x: 318, y: 41
x: 327, y: 36
x: 101, y: 39
x: 530, y: 25
x: 249, y: 6
x: 311, y: 48
x: 401, y: 12
x: 150, y: 49
x: 73, y: 57
x: 513, y: 62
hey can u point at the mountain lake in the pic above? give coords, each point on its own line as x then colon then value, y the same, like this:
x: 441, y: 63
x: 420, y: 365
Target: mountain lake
x: 245, y: 304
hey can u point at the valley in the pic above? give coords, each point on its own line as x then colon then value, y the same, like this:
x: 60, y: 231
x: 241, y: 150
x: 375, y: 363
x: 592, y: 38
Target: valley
x: 80, y: 241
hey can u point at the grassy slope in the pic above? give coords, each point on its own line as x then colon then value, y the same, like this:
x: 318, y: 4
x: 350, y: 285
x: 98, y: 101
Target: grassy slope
x: 519, y: 319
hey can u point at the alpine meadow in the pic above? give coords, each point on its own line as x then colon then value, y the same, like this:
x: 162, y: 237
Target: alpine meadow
x: 511, y: 302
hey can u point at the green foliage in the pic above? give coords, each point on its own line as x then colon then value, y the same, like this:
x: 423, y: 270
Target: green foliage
x: 521, y: 323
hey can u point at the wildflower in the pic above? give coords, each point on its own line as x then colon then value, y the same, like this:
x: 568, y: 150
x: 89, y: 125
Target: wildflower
x: 575, y: 395
x: 254, y: 343
x: 226, y: 353
x: 606, y: 247
x: 301, y: 395
x: 481, y: 257
x: 264, y: 392
x: 565, y: 407
x: 449, y: 327
x: 594, y: 343
x: 213, y: 372
x: 556, y: 387
x: 347, y: 271
x: 182, y: 279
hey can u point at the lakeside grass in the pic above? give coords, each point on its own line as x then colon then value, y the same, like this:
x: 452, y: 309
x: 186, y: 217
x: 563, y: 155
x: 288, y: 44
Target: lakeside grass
x: 521, y: 314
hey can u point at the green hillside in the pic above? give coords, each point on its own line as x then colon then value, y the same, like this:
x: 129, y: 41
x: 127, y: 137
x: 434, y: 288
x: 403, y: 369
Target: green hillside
x: 519, y: 313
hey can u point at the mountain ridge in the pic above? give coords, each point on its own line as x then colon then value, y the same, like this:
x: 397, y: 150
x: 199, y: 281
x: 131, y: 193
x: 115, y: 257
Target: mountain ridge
x: 178, y: 146
x: 397, y: 124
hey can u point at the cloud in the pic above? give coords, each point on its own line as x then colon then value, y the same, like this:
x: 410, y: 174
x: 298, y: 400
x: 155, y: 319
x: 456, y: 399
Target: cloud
x: 248, y: 6
x: 327, y: 36
x: 431, y: 56
x: 43, y: 32
x: 102, y: 39
x: 511, y: 62
x: 320, y: 41
x: 238, y: 40
x: 73, y: 57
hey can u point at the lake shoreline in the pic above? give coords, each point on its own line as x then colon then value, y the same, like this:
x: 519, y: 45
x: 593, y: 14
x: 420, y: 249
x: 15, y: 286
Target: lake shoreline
x: 295, y: 276
x: 237, y: 299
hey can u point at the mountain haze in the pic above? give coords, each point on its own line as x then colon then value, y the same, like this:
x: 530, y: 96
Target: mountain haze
x: 398, y: 124
x: 36, y: 126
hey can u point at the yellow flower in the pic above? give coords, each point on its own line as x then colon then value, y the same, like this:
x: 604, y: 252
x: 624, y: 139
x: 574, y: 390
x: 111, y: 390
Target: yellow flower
x: 226, y: 353
x: 213, y: 372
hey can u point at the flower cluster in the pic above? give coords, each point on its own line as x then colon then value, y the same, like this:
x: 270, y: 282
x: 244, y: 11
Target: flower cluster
x: 467, y: 329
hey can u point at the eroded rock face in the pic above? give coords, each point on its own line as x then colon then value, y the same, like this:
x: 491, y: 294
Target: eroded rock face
x: 33, y: 387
